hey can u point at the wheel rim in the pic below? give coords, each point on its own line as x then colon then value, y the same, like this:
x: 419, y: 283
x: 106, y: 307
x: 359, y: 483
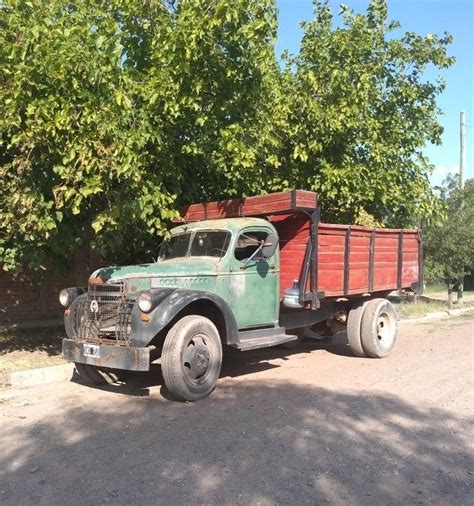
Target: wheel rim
x: 196, y: 359
x: 385, y: 329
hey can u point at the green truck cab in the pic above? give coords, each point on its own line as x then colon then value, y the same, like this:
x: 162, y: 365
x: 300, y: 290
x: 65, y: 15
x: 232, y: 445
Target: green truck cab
x: 247, y: 273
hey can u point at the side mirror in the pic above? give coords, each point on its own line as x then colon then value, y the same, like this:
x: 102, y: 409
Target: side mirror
x: 270, y: 245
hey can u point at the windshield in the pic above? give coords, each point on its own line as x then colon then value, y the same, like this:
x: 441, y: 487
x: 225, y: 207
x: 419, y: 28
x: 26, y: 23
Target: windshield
x: 176, y: 246
x: 202, y: 243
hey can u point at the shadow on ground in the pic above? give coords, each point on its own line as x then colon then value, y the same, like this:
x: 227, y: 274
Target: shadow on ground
x: 250, y: 443
x: 235, y: 364
x: 47, y: 340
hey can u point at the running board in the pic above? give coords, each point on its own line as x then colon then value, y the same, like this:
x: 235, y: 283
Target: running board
x: 262, y: 338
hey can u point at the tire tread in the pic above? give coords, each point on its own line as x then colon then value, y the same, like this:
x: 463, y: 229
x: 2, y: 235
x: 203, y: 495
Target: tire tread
x: 354, y: 322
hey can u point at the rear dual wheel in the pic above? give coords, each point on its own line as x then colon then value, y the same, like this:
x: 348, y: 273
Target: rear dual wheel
x: 354, y: 323
x: 372, y: 329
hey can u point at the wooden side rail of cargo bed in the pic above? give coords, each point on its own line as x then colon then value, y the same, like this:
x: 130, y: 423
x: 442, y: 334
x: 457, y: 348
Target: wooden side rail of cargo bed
x: 351, y: 260
x: 263, y: 205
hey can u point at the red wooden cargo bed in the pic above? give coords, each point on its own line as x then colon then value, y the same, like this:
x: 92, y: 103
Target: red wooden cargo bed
x: 329, y: 260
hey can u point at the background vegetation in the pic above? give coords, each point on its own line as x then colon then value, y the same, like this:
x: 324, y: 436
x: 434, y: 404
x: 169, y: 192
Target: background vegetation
x: 449, y: 242
x: 114, y: 113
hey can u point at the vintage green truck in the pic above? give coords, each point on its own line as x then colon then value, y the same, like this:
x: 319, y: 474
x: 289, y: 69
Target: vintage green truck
x: 247, y: 273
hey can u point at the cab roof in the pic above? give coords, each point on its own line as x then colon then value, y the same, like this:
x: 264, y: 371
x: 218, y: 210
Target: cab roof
x: 235, y: 225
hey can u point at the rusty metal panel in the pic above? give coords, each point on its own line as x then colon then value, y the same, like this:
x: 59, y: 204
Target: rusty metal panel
x: 115, y: 357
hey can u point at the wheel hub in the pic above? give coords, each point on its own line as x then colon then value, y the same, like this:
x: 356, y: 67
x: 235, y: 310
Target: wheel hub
x: 384, y: 327
x: 196, y: 358
x: 202, y: 360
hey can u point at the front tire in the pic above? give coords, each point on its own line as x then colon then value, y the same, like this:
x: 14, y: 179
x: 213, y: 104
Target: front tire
x: 379, y: 328
x: 94, y: 375
x: 191, y: 359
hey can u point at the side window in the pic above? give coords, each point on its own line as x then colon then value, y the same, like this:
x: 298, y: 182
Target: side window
x: 247, y: 243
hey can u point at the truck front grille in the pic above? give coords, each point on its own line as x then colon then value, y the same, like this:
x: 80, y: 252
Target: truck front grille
x: 106, y: 314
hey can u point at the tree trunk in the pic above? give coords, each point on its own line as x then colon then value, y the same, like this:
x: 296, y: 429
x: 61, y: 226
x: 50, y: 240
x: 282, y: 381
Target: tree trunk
x: 460, y: 291
x: 450, y: 296
x: 82, y: 259
x: 82, y: 265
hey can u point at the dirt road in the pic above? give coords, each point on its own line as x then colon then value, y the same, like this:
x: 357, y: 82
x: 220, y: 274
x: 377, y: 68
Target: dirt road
x: 314, y: 426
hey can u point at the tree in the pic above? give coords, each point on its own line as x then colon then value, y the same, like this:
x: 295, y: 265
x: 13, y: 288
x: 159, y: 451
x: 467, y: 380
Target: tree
x: 449, y: 243
x: 113, y: 113
x: 358, y: 114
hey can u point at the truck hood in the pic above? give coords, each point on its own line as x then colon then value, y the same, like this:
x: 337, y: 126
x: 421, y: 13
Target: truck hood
x: 169, y: 268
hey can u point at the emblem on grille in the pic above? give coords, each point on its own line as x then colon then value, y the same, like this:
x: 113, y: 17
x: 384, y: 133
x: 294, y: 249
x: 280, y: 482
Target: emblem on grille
x: 94, y: 306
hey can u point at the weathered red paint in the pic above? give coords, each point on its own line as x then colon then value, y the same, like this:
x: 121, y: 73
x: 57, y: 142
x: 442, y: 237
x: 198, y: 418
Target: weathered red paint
x: 274, y: 203
x: 293, y: 231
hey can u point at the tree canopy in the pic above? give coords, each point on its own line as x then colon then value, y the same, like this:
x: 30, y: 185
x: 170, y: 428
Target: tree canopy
x: 112, y: 114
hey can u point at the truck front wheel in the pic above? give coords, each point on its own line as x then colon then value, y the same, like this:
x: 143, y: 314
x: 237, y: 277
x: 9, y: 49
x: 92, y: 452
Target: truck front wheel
x: 191, y: 358
x: 93, y: 375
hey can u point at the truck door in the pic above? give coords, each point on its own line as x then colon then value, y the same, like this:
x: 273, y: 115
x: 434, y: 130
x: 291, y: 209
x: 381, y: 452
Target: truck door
x: 254, y: 286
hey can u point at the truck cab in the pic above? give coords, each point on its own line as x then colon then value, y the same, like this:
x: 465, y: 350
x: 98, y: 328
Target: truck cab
x: 223, y: 257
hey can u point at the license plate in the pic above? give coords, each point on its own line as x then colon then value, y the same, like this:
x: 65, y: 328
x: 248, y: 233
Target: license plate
x: 91, y: 350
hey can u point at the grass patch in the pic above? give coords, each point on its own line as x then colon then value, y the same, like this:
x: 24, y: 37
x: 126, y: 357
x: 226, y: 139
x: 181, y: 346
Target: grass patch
x: 30, y: 348
x: 436, y: 287
x: 467, y: 316
x: 418, y: 309
x: 424, y: 306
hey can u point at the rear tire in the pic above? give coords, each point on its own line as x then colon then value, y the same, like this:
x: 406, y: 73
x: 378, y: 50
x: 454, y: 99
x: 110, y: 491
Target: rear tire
x: 354, y: 322
x: 191, y: 359
x: 94, y: 375
x: 379, y: 328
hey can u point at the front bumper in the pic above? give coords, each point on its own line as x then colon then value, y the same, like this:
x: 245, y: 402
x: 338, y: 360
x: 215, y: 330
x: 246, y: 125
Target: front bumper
x: 115, y: 357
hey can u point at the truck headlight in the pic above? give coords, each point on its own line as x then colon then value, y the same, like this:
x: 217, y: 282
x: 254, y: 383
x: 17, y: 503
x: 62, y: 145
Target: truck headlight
x: 145, y: 302
x: 68, y: 295
x: 65, y: 297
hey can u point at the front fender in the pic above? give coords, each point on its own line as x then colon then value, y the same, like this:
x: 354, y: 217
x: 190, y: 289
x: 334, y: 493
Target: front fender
x: 170, y: 302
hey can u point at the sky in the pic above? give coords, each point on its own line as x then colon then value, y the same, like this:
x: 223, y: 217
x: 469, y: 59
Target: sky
x: 423, y: 17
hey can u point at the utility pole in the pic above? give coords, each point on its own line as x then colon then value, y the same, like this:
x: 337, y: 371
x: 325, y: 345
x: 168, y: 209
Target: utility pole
x: 462, y: 144
x: 462, y: 159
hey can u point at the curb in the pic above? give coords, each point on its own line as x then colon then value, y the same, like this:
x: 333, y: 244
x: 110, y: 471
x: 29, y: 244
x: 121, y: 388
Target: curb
x: 438, y: 315
x: 33, y: 377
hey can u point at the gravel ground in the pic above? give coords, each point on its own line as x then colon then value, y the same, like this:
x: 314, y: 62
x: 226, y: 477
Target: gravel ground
x: 315, y: 426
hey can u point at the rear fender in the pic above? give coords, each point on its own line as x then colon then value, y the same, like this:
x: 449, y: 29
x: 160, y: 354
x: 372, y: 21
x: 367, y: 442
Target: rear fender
x: 169, y: 303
